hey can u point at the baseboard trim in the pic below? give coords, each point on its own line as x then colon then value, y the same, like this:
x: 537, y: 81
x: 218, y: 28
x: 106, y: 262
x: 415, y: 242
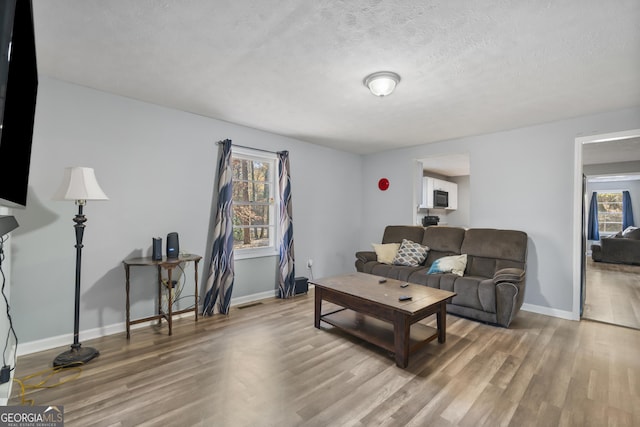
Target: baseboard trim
x: 547, y: 311
x: 253, y: 297
x: 89, y: 334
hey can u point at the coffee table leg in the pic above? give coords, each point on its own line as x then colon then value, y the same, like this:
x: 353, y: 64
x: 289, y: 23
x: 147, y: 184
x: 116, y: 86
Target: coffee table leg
x: 318, y: 307
x: 442, y: 322
x: 401, y: 330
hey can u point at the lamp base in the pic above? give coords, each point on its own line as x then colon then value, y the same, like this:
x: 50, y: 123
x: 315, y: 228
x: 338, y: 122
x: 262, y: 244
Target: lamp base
x: 78, y: 355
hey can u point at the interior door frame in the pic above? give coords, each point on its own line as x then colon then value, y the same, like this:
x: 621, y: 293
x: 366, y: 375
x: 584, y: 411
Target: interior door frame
x: 578, y: 206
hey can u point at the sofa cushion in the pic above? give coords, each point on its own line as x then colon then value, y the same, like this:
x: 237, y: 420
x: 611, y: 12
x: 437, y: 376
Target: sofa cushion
x: 490, y: 250
x: 438, y: 281
x: 468, y: 290
x: 386, y: 252
x: 410, y: 253
x: 444, y: 239
x: 449, y: 264
x: 499, y: 244
x: 481, y: 266
x: 398, y: 272
x: 444, y: 281
x: 621, y: 251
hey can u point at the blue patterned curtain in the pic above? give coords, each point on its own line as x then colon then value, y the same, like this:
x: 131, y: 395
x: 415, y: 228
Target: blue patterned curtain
x: 627, y: 211
x: 221, y: 273
x: 286, y: 272
x: 593, y: 233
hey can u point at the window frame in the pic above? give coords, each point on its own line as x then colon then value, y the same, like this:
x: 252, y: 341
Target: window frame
x: 598, y: 193
x: 274, y: 223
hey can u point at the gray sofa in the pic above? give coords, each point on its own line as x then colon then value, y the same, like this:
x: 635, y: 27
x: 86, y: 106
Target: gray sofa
x: 622, y: 248
x: 493, y: 284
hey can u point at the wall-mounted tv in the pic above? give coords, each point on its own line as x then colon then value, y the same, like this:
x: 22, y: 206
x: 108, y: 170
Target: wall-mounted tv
x: 18, y: 91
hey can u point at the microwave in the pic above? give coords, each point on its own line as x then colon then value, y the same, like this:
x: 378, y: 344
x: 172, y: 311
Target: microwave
x: 440, y: 199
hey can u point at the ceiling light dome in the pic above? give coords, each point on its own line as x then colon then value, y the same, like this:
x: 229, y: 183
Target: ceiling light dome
x: 382, y: 83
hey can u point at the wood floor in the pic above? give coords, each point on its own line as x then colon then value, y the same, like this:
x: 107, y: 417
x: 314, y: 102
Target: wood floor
x: 267, y: 365
x: 613, y: 294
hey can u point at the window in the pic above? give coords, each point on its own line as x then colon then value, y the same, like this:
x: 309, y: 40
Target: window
x: 254, y: 204
x: 610, y: 212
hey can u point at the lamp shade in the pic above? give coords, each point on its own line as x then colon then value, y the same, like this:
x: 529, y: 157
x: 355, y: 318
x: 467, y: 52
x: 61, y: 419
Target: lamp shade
x: 8, y: 223
x: 80, y: 183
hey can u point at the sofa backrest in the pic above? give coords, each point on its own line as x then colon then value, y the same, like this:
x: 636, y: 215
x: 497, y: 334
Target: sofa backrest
x: 442, y: 241
x: 395, y: 233
x: 489, y: 250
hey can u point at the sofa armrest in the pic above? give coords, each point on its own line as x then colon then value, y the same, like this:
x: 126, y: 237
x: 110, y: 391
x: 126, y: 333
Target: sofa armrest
x: 509, y: 275
x: 510, y: 284
x: 366, y: 256
x: 509, y: 299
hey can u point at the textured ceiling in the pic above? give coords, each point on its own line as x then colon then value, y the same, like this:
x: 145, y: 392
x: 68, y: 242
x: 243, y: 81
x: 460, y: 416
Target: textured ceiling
x: 295, y: 67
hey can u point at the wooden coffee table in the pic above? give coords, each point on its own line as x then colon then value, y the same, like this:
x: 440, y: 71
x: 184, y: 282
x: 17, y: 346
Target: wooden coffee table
x: 371, y: 311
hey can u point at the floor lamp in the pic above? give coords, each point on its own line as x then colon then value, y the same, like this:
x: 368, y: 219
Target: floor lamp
x: 80, y: 185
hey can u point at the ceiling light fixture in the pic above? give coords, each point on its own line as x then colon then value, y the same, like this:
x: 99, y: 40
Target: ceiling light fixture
x: 382, y: 83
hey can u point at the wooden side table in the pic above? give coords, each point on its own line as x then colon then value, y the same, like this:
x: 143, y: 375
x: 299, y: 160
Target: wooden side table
x: 167, y: 264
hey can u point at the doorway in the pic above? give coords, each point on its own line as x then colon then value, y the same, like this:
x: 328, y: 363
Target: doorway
x: 608, y: 292
x: 452, y: 167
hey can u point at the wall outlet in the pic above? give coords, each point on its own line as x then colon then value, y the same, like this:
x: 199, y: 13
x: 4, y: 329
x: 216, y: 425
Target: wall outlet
x: 309, y: 263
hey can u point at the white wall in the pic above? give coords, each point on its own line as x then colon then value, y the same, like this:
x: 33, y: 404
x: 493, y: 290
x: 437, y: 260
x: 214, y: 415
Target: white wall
x: 461, y: 217
x: 157, y: 166
x: 520, y: 179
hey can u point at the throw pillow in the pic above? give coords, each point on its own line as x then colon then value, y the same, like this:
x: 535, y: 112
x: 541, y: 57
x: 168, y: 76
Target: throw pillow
x: 386, y: 252
x: 449, y: 264
x: 411, y: 254
x: 631, y: 233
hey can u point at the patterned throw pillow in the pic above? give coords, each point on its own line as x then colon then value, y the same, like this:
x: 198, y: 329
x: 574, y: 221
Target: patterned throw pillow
x: 411, y: 254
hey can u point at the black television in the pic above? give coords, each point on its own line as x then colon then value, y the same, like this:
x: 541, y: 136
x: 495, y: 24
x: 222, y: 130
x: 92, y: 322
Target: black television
x: 18, y: 91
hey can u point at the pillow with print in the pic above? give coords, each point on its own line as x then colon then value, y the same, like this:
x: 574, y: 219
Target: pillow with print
x: 411, y: 254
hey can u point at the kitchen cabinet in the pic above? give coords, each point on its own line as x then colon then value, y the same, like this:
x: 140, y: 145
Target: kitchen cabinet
x: 452, y: 189
x: 429, y: 184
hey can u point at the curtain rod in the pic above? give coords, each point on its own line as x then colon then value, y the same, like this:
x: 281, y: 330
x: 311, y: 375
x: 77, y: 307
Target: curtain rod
x: 251, y: 148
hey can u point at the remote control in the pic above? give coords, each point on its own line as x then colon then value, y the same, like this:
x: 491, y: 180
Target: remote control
x: 404, y: 298
x: 404, y: 285
x: 382, y: 281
